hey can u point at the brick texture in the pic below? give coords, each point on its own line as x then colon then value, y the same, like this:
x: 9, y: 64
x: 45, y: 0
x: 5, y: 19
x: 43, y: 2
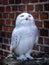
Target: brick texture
x: 40, y: 40
x: 44, y: 32
x: 39, y: 7
x: 46, y: 41
x: 46, y: 7
x: 5, y: 15
x: 0, y: 15
x: 1, y: 52
x: 43, y: 0
x: 0, y: 1
x: 33, y: 1
x: 43, y: 15
x: 17, y: 1
x: 30, y: 7
x: 35, y: 15
x: 21, y: 8
x: 11, y: 1
x: 25, y: 1
x: 1, y: 9
x: 46, y: 24
x: 5, y: 2
x: 9, y: 9
x: 38, y: 23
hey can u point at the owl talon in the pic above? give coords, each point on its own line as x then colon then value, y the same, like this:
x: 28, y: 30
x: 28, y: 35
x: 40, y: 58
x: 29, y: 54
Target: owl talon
x: 28, y: 56
x: 22, y: 57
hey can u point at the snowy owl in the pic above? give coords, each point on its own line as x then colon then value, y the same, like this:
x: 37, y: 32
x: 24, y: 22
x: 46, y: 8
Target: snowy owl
x: 24, y: 36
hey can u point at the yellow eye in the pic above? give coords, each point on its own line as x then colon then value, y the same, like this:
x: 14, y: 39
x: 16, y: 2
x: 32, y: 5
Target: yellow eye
x: 22, y: 15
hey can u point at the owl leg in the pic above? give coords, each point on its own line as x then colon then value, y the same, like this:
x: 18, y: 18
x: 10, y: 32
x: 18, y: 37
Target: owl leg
x: 21, y: 57
x: 28, y: 54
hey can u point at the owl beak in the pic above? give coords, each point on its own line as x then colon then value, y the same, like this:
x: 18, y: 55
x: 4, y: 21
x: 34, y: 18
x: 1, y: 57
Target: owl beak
x: 26, y: 18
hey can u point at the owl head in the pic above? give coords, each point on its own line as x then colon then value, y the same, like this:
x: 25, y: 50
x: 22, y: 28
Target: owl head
x: 24, y: 19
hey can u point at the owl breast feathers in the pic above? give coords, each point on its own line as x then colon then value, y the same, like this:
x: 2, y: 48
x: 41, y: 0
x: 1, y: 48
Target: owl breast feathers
x: 24, y: 36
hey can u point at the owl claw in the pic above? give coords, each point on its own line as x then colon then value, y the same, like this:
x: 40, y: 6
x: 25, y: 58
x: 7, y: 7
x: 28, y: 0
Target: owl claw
x: 22, y: 57
x: 28, y: 56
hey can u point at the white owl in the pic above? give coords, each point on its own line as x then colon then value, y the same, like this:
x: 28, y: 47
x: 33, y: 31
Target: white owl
x: 24, y: 36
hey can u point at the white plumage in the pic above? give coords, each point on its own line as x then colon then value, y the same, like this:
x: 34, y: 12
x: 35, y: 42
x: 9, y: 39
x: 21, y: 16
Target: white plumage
x: 24, y: 36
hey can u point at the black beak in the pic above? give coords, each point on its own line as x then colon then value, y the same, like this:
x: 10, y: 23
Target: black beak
x: 26, y: 18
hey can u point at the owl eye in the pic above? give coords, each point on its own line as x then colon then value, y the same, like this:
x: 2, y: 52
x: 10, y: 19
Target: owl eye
x: 29, y: 16
x: 22, y: 15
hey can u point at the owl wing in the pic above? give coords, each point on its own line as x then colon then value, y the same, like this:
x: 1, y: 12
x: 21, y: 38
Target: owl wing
x: 15, y: 39
x: 36, y: 35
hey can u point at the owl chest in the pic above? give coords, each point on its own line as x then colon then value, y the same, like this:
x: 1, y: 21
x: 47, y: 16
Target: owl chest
x: 27, y: 34
x: 26, y: 38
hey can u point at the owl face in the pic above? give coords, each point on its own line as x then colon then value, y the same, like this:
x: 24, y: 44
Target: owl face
x: 24, y: 19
